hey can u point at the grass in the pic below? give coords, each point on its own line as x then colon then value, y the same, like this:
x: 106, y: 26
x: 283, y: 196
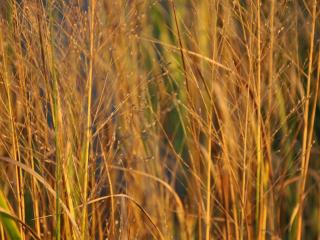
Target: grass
x: 172, y: 119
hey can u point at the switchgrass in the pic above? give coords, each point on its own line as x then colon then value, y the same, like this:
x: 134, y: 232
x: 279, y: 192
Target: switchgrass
x: 172, y: 119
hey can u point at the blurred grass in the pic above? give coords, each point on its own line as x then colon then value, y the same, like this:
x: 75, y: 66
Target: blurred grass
x: 9, y: 225
x: 156, y: 119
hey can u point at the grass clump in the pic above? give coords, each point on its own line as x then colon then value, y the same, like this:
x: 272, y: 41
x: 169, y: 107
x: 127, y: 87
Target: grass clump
x: 176, y: 119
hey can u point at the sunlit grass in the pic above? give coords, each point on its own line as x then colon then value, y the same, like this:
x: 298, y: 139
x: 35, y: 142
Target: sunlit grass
x: 172, y: 119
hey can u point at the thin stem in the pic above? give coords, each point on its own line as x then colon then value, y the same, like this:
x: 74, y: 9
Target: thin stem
x: 88, y: 130
x: 305, y: 148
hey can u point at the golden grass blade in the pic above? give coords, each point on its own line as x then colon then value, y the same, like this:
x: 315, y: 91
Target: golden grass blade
x: 46, y: 185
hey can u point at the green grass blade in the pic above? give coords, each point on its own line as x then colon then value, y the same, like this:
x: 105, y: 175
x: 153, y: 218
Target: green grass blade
x: 8, y: 224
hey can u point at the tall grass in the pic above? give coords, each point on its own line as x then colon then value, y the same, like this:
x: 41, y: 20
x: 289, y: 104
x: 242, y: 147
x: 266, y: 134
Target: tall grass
x: 172, y: 119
